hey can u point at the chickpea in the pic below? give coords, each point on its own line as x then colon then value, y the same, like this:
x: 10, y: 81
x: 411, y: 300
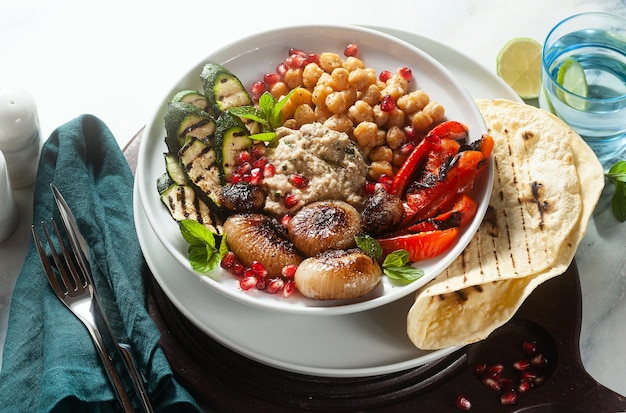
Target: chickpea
x: 304, y: 114
x: 361, y: 111
x: 421, y: 121
x: 301, y: 96
x: 381, y: 153
x: 395, y: 137
x: 379, y: 168
x: 381, y: 137
x: 436, y: 111
x: 398, y: 159
x: 380, y: 116
x: 293, y: 78
x: 396, y: 118
x: 279, y: 89
x: 371, y: 95
x: 311, y: 74
x: 352, y: 63
x: 320, y: 92
x: 361, y: 79
x: 413, y: 101
x: 336, y: 102
x: 339, y: 123
x: 365, y: 134
x: 288, y: 109
x: 339, y: 78
x: 322, y: 113
x: 330, y: 61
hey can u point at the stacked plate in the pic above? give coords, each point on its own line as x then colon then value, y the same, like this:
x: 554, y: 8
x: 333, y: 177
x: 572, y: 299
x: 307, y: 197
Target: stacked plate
x: 360, y: 338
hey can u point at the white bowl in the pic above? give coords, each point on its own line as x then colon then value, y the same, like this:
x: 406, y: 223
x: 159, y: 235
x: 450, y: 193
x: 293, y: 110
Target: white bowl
x: 249, y: 59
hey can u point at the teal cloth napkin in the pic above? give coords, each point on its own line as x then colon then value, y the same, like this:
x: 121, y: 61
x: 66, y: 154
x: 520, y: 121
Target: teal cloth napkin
x: 49, y: 361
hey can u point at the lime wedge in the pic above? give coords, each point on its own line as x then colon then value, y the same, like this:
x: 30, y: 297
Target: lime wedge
x: 571, y: 76
x: 519, y: 65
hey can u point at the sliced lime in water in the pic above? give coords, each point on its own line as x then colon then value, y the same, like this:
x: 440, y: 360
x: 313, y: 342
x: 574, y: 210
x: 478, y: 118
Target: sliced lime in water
x: 571, y: 76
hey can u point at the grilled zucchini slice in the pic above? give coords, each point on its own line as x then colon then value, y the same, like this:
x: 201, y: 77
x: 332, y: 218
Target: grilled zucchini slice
x: 199, y: 162
x: 183, y: 203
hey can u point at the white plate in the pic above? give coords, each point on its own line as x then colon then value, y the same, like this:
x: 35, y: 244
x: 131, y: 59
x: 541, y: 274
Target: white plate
x: 249, y: 59
x: 363, y: 344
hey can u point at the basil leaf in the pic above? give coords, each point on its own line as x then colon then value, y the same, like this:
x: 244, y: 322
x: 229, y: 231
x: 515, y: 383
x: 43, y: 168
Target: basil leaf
x: 369, y: 246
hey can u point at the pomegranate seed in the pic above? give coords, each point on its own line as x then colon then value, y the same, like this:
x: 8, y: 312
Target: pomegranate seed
x: 539, y: 380
x: 258, y: 270
x: 492, y: 383
x: 295, y: 61
x: 370, y: 188
x: 506, y: 383
x: 351, y: 50
x: 289, y: 289
x: 385, y: 75
x: 407, y: 148
x: 410, y: 133
x: 247, y: 273
x: 462, y: 403
x: 269, y: 170
x: 289, y: 271
x: 494, y: 371
x: 524, y: 386
x: 528, y: 375
x: 298, y: 180
x: 247, y: 282
x: 284, y: 221
x: 275, y: 285
x: 405, y: 72
x: 313, y: 58
x: 385, y: 179
x: 228, y: 261
x: 261, y: 283
x: 243, y: 157
x: 244, y: 168
x: 238, y: 269
x: 539, y: 361
x: 270, y: 79
x: 256, y: 176
x: 387, y: 104
x: 290, y: 201
x: 257, y: 151
x: 259, y: 162
x: 294, y: 51
x: 257, y: 89
x: 508, y: 397
x: 281, y: 69
x: 235, y: 179
x: 529, y: 347
x: 521, y: 365
x: 479, y: 369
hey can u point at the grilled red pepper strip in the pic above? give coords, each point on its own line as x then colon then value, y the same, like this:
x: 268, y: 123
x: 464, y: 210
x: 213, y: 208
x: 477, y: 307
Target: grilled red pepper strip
x: 408, y: 168
x: 460, y: 215
x: 421, y: 245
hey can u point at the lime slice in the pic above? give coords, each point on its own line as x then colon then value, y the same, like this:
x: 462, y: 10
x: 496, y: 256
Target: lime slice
x: 571, y: 76
x: 519, y: 65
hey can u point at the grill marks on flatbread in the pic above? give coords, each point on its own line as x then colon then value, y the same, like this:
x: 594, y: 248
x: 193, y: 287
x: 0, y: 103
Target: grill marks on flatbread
x: 542, y: 198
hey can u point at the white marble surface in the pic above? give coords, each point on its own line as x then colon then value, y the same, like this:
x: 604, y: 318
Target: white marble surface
x: 116, y: 58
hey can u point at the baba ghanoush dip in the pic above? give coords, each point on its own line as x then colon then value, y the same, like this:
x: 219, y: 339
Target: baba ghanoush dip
x: 314, y: 163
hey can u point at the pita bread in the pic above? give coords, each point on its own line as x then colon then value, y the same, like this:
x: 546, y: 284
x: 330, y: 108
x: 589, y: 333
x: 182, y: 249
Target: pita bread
x: 518, y: 246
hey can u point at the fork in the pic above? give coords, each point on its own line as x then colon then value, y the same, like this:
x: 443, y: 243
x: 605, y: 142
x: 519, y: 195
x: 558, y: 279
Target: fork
x: 75, y: 290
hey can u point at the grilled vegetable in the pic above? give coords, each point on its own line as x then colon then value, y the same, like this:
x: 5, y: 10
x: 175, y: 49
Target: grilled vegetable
x: 175, y: 169
x: 192, y: 97
x: 183, y: 120
x: 199, y: 162
x: 222, y: 89
x: 183, y: 203
x: 231, y: 138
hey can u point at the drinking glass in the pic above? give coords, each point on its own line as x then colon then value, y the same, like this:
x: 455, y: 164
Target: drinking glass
x: 597, y: 42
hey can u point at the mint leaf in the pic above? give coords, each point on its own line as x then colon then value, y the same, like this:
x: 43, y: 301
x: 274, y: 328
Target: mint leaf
x: 406, y: 273
x: 617, y: 176
x: 397, y: 258
x: 369, y: 246
x: 203, y: 254
x: 249, y: 112
x: 276, y: 115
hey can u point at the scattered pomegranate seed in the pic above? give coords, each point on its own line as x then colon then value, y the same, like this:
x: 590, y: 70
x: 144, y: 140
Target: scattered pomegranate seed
x: 384, y: 181
x: 270, y: 79
x: 284, y: 221
x: 289, y: 271
x: 257, y: 89
x: 258, y: 270
x: 248, y: 272
x: 313, y: 58
x: 387, y: 104
x: 529, y: 347
x: 290, y: 201
x: 405, y: 72
x: 407, y: 148
x: 410, y: 133
x: 228, y: 261
x: 247, y: 283
x: 351, y: 50
x: 538, y: 361
x: 289, y: 289
x: 521, y: 365
x: 539, y: 380
x: 479, y: 369
x: 298, y: 180
x: 494, y: 371
x: 524, y: 386
x: 295, y: 61
x: 243, y: 157
x: 462, y: 403
x: 244, y: 168
x: 281, y: 69
x: 257, y: 151
x: 261, y: 283
x: 269, y: 170
x: 256, y: 176
x: 528, y: 375
x: 492, y: 383
x: 238, y: 269
x: 370, y: 188
x: 275, y: 285
x: 506, y: 383
x: 508, y: 397
x: 294, y: 51
x: 385, y: 75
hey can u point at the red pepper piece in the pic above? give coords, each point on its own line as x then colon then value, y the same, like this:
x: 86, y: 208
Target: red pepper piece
x: 449, y: 148
x: 460, y: 215
x: 421, y: 245
x: 416, y: 157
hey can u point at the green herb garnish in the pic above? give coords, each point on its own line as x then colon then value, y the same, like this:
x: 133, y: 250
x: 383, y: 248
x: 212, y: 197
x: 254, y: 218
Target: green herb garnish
x: 204, y: 253
x: 617, y: 176
x: 395, y: 265
x: 268, y: 114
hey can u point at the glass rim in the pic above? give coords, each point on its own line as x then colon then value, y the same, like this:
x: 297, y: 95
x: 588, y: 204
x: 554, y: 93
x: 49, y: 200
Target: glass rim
x: 553, y: 81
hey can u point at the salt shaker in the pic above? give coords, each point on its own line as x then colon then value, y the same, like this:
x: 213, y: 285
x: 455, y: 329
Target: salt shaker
x: 20, y: 140
x: 9, y: 215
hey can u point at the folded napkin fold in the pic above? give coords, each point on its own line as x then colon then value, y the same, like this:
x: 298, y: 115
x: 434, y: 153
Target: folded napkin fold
x: 49, y: 360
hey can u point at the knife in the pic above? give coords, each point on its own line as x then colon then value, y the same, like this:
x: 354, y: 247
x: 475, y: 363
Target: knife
x: 123, y: 349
